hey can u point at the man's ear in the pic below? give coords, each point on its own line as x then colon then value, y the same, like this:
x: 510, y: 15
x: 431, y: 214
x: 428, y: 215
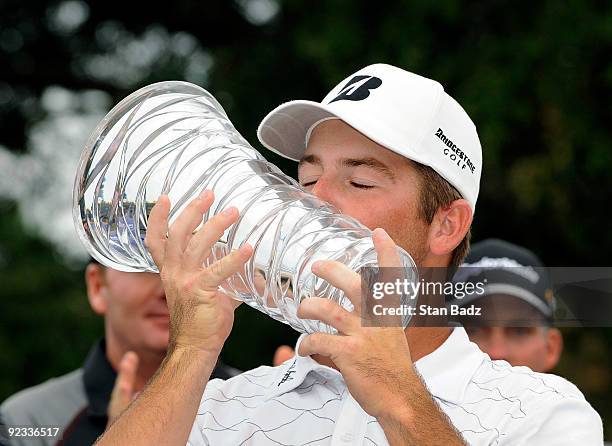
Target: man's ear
x: 554, y: 348
x: 449, y: 227
x: 96, y: 282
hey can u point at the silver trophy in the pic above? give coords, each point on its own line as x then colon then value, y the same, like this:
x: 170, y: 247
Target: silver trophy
x: 174, y: 138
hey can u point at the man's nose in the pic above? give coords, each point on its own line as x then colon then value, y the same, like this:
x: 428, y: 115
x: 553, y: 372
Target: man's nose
x: 324, y: 189
x: 498, y: 346
x: 159, y: 290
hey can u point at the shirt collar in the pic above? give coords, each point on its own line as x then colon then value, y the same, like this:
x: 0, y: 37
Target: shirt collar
x: 448, y: 370
x: 99, y: 379
x: 294, y: 371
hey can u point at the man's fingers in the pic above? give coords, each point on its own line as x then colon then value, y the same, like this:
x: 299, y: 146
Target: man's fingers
x: 342, y: 277
x: 329, y: 312
x: 388, y: 256
x: 157, y: 229
x: 182, y: 229
x: 123, y: 391
x: 320, y: 343
x: 126, y: 376
x: 201, y: 243
x: 282, y: 354
x: 216, y: 273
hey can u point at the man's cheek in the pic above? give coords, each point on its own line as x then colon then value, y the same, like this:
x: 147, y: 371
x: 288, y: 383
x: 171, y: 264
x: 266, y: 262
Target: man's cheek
x: 360, y: 214
x: 371, y: 215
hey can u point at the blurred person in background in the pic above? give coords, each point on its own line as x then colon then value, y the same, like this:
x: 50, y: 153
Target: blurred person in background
x: 136, y: 334
x: 517, y: 306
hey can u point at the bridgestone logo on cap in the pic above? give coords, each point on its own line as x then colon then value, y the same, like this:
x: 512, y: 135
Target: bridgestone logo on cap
x: 358, y: 88
x: 456, y: 155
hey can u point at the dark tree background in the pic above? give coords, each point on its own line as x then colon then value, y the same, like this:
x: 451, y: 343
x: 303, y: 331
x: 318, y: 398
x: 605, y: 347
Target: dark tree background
x: 536, y: 77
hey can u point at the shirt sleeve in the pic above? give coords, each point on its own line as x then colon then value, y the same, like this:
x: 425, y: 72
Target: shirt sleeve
x: 22, y: 419
x: 197, y: 437
x: 569, y: 422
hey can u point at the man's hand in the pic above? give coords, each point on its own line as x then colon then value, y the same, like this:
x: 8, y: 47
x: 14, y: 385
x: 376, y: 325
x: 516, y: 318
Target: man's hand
x: 123, y: 392
x: 375, y: 362
x: 200, y: 315
x: 201, y: 319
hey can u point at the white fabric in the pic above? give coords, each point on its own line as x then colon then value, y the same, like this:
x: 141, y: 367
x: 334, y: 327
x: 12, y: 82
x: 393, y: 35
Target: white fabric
x: 406, y: 113
x: 303, y: 402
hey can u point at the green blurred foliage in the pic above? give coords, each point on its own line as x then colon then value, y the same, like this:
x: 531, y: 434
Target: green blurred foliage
x: 46, y: 325
x: 536, y: 77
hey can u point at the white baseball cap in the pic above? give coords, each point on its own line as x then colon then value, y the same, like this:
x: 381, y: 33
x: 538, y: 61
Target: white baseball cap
x: 406, y: 113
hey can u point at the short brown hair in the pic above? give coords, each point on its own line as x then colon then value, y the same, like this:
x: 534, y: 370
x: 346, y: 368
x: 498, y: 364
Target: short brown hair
x: 438, y: 193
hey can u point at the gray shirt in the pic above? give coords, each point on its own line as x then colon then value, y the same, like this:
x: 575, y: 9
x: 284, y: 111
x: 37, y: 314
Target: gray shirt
x: 52, y: 403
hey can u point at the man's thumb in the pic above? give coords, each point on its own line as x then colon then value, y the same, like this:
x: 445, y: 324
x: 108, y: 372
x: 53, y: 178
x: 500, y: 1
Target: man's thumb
x: 126, y: 375
x: 283, y: 353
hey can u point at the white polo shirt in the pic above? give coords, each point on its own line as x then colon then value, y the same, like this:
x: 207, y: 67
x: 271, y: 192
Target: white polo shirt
x: 302, y: 402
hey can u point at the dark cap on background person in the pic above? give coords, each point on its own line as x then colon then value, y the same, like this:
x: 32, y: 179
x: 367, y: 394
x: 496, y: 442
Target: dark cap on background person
x: 511, y: 271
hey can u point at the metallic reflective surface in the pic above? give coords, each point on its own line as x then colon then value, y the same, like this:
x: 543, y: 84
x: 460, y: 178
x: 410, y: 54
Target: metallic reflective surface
x: 174, y: 138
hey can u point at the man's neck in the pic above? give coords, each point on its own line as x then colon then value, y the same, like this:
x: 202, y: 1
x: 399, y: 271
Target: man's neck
x: 425, y: 340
